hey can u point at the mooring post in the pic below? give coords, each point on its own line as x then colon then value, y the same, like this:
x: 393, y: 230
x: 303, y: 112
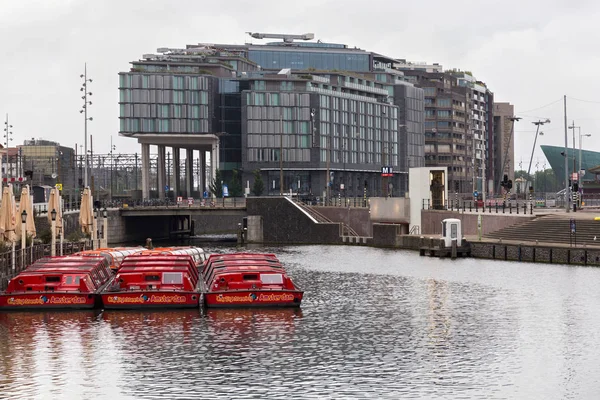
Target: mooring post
x: 454, y: 250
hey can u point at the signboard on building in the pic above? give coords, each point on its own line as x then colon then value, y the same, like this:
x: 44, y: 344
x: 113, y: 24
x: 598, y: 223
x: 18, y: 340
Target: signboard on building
x: 387, y: 171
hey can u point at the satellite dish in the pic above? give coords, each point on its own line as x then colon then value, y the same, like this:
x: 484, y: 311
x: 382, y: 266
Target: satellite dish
x: 54, y: 176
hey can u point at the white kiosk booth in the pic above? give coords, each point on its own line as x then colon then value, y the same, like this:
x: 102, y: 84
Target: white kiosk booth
x: 451, y: 230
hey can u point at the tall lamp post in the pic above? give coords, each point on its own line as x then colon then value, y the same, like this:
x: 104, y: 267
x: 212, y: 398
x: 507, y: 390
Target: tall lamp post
x: 537, y: 131
x: 8, y: 137
x: 112, y: 162
x: 579, y: 174
x: 84, y: 111
x: 23, y: 238
x: 573, y: 127
x: 53, y: 249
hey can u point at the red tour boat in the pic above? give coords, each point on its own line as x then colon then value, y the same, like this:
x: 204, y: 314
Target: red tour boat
x: 65, y: 282
x: 153, y: 281
x: 248, y: 280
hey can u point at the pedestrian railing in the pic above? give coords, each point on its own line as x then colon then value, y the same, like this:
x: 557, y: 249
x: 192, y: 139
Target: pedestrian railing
x: 12, y: 264
x: 498, y: 207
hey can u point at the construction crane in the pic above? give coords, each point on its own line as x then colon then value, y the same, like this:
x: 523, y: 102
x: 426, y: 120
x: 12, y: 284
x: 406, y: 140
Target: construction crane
x: 287, y: 38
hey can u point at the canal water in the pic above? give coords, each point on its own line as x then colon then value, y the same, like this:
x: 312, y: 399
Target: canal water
x: 374, y: 324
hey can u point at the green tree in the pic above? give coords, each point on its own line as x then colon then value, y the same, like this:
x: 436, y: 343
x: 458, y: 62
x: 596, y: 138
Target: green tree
x: 258, y: 186
x: 235, y: 185
x: 216, y: 187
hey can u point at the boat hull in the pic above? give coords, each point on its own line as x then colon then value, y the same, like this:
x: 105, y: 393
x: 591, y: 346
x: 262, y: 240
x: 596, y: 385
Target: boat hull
x: 150, y: 299
x: 253, y: 298
x: 48, y: 301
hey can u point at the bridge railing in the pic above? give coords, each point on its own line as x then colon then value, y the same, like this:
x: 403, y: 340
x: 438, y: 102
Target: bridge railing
x: 224, y: 202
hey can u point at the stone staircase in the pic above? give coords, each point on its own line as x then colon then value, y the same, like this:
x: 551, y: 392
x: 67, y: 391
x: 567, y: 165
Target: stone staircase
x: 320, y: 218
x: 553, y: 229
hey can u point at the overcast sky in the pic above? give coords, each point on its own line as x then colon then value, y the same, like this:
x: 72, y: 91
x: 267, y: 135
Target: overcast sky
x: 530, y: 53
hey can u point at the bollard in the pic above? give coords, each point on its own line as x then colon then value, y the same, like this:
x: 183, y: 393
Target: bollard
x: 149, y: 245
x: 531, y: 210
x: 454, y: 250
x: 517, y: 207
x: 510, y: 208
x: 503, y: 207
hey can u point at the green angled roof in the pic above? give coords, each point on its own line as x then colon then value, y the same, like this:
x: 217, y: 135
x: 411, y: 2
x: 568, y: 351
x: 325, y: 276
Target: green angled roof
x: 589, y: 159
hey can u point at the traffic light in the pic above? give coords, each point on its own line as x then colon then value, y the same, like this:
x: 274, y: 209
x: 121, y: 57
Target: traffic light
x: 509, y: 185
x: 575, y: 187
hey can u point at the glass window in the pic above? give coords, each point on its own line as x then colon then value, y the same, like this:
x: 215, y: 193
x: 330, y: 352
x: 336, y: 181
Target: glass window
x: 176, y: 111
x: 274, y: 99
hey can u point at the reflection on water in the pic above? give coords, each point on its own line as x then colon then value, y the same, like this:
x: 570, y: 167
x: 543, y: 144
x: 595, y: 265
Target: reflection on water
x: 373, y: 324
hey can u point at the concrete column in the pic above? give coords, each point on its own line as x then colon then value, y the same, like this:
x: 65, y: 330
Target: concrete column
x: 203, y: 183
x: 161, y: 171
x: 145, y: 171
x: 177, y: 172
x: 189, y: 170
x: 214, y: 159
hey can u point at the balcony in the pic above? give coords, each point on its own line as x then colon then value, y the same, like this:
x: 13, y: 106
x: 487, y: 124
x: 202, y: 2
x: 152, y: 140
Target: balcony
x: 366, y: 88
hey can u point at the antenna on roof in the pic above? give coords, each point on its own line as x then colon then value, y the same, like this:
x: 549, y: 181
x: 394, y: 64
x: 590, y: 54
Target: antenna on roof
x: 287, y: 38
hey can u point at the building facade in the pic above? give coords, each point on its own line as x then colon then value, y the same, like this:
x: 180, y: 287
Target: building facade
x: 282, y: 108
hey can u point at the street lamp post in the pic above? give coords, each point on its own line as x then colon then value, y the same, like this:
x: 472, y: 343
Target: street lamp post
x: 537, y: 131
x: 94, y: 230
x: 281, y: 153
x: 8, y: 136
x: 105, y: 228
x: 83, y: 110
x: 579, y: 174
x: 53, y: 248
x: 23, y: 238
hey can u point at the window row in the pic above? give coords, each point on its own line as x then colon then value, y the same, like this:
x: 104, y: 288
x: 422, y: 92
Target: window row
x: 153, y: 81
x: 274, y: 113
x: 146, y: 125
x: 302, y: 127
x: 273, y: 154
x: 162, y: 111
x: 262, y: 141
x: 356, y: 106
x: 303, y: 60
x: 277, y: 99
x: 162, y: 96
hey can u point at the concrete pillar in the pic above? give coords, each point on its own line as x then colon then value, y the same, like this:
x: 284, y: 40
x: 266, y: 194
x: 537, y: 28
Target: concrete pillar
x: 203, y: 183
x: 177, y: 172
x: 145, y: 171
x: 214, y: 159
x: 161, y: 171
x: 254, y: 234
x: 189, y: 171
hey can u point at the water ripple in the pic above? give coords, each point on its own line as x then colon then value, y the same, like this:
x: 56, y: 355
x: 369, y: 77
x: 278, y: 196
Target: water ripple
x: 374, y: 324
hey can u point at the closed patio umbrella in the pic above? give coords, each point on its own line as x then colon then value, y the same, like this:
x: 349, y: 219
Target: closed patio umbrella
x: 26, y: 204
x: 85, y: 212
x: 7, y: 217
x: 8, y: 211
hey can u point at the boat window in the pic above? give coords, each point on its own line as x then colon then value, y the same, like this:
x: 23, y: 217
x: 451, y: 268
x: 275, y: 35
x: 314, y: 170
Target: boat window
x: 252, y: 277
x: 271, y: 279
x: 77, y: 280
x: 53, y: 279
x: 174, y: 278
x: 69, y: 280
x: 152, y: 278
